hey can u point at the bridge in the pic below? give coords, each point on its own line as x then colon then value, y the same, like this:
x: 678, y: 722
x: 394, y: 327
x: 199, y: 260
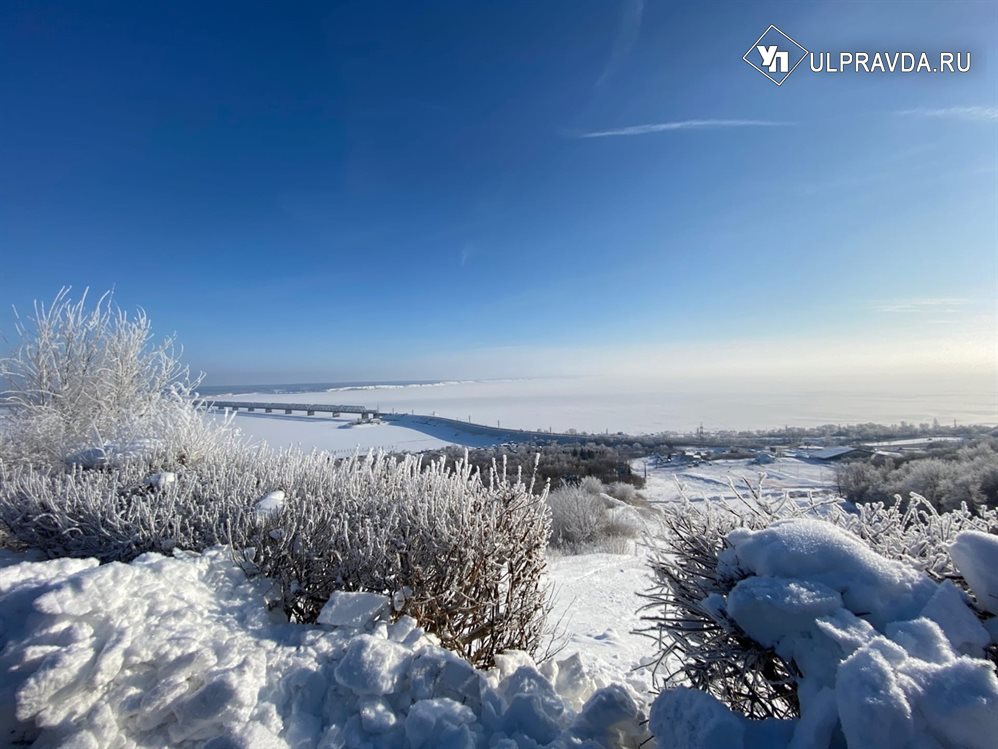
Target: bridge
x: 310, y: 409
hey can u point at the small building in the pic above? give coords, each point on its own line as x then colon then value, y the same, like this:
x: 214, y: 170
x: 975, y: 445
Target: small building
x: 829, y: 454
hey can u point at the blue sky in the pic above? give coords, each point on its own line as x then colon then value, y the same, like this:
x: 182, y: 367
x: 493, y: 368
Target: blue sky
x: 413, y: 190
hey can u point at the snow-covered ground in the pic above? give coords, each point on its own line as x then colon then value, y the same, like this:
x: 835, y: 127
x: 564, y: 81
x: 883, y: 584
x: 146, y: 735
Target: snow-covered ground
x: 343, y: 435
x: 596, y: 605
x: 182, y: 652
x: 712, y: 479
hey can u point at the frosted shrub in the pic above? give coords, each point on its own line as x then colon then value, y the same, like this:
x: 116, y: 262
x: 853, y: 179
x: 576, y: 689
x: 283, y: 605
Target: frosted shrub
x: 914, y: 532
x: 462, y: 554
x: 701, y: 648
x: 968, y: 475
x: 88, y: 383
x: 586, y: 517
x: 578, y: 517
x: 627, y: 494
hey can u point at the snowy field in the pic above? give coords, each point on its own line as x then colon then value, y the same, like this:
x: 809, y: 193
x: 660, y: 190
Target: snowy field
x: 636, y: 406
x: 666, y: 481
x: 344, y: 435
x: 185, y: 651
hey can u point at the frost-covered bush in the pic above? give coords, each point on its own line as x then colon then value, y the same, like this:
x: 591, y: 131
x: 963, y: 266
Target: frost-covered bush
x: 578, y: 517
x: 88, y: 384
x: 627, y: 494
x: 967, y: 475
x: 699, y: 648
x: 462, y: 553
x: 585, y: 517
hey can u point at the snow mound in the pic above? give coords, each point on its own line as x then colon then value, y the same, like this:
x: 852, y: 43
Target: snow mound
x: 182, y: 652
x: 882, y: 589
x: 888, y: 658
x: 975, y: 555
x: 358, y: 610
x: 690, y: 719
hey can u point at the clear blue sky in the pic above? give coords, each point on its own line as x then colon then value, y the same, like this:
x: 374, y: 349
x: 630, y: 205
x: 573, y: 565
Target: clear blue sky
x: 390, y: 190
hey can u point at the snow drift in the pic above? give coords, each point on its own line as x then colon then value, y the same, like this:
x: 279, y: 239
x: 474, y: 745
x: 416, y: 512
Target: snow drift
x: 183, y: 652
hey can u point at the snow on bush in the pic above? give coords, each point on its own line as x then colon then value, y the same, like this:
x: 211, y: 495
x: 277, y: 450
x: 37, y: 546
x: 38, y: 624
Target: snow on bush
x: 976, y: 557
x: 698, y: 648
x: 89, y: 386
x: 462, y: 553
x: 183, y: 652
x: 578, y: 517
x: 880, y: 654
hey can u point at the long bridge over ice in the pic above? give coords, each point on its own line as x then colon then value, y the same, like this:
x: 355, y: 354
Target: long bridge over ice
x: 310, y: 409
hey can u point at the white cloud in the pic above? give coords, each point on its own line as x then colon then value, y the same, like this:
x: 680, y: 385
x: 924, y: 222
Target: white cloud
x: 970, y: 114
x: 936, y: 305
x: 663, y: 127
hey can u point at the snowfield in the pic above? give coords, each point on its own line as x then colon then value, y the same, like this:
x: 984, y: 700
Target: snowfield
x: 343, y: 436
x: 182, y: 649
x: 637, y: 405
x: 711, y: 480
x: 183, y: 652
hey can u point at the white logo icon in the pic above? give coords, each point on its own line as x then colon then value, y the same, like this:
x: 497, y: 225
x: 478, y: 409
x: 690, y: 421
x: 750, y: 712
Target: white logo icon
x: 776, y: 55
x: 773, y: 60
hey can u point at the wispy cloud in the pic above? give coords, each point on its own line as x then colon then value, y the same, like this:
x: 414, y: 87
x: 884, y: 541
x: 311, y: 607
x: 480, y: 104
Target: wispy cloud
x: 942, y: 304
x: 627, y: 35
x: 970, y: 114
x: 665, y: 127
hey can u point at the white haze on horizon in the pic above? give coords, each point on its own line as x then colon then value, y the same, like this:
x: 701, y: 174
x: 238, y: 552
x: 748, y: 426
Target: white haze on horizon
x: 726, y: 385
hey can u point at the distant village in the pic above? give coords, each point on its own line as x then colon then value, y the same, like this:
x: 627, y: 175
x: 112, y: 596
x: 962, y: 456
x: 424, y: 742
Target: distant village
x: 876, y: 451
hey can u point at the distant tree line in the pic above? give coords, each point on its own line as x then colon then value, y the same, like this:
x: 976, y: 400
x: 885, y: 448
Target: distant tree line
x: 640, y: 445
x: 563, y: 465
